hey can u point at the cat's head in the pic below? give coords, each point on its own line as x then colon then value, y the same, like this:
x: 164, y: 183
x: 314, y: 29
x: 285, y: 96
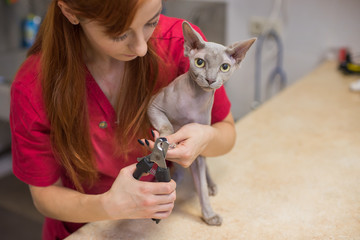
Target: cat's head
x: 210, y: 63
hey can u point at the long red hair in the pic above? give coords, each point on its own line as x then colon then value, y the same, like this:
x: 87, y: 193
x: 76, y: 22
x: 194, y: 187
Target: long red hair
x: 64, y: 90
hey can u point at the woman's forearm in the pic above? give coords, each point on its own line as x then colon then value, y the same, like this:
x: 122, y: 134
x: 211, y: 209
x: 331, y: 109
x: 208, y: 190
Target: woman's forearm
x: 127, y: 198
x: 65, y: 204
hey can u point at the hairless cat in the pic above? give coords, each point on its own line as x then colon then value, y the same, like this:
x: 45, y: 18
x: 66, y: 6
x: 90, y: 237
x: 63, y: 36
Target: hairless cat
x: 189, y: 99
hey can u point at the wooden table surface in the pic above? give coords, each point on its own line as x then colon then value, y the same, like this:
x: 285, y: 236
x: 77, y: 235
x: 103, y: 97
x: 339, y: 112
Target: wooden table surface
x: 294, y: 173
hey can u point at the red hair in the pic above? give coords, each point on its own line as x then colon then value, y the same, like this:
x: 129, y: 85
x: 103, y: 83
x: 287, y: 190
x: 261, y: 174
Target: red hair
x: 64, y: 90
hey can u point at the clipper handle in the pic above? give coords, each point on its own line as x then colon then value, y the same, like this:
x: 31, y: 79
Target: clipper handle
x: 143, y: 166
x: 162, y: 175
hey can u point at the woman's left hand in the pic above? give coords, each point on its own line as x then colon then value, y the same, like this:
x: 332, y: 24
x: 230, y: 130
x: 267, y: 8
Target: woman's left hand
x: 190, y: 140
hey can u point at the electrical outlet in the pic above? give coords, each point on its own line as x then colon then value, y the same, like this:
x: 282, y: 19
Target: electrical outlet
x: 258, y: 25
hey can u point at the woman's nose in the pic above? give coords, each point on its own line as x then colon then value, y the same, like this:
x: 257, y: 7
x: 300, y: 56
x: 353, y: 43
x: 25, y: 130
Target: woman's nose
x: 139, y: 46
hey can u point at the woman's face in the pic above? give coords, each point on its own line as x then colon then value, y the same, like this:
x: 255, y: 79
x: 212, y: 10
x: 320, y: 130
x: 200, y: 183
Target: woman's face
x: 130, y: 44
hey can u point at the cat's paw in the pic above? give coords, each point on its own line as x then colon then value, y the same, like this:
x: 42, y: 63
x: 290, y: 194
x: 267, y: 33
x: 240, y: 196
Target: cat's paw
x: 214, y: 220
x: 166, y: 130
x: 212, y: 190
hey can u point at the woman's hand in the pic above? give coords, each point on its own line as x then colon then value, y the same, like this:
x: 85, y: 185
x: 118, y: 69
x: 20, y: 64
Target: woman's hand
x: 130, y: 198
x: 190, y: 140
x: 195, y: 139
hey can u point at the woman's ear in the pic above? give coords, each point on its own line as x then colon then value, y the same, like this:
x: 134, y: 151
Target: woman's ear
x: 68, y: 13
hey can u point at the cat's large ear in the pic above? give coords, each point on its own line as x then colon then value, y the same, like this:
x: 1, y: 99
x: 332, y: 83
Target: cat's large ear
x: 193, y: 39
x: 238, y: 50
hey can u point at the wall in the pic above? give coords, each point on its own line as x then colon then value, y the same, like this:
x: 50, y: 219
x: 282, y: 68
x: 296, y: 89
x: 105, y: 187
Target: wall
x: 11, y: 16
x: 201, y: 14
x: 312, y: 32
x: 11, y: 53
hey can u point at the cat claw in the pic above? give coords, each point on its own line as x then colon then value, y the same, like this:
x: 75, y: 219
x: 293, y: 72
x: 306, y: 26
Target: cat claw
x: 215, y: 220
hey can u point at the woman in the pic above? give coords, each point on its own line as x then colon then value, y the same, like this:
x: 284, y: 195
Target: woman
x: 78, y: 106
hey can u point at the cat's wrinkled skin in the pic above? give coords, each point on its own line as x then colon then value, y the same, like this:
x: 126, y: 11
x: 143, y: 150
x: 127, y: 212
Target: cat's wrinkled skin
x: 189, y: 99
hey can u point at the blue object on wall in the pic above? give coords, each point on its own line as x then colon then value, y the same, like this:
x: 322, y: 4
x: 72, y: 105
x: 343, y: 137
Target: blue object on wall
x: 30, y: 28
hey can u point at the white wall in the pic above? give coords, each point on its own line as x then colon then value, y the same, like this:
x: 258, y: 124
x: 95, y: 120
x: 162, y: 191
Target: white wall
x: 313, y: 31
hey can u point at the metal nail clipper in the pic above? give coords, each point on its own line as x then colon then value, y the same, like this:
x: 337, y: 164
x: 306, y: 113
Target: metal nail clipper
x: 158, y: 155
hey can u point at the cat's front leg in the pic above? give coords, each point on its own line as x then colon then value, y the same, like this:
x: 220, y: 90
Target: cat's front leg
x: 177, y: 173
x: 160, y: 121
x: 198, y: 170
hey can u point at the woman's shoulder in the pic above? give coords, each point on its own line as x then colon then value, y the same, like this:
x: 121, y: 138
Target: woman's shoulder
x: 168, y: 38
x: 171, y: 27
x: 168, y: 41
x: 26, y: 84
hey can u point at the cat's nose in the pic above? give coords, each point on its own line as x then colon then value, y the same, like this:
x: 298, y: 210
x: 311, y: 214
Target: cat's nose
x: 210, y: 81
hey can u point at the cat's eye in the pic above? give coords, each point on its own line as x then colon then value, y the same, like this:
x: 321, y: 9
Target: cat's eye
x: 200, y: 63
x: 225, y: 67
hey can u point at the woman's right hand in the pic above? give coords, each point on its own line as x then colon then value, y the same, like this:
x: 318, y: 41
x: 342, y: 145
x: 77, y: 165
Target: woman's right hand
x: 129, y: 198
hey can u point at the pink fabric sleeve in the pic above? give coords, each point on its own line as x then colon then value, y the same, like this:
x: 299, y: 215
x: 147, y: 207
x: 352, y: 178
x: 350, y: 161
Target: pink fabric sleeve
x: 33, y: 159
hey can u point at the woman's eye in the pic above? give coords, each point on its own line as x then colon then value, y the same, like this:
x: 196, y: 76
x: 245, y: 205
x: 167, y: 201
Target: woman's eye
x: 120, y: 38
x: 200, y: 63
x: 225, y: 67
x: 153, y: 24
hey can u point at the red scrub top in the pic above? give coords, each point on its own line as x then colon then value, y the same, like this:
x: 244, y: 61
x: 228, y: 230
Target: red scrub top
x: 33, y: 159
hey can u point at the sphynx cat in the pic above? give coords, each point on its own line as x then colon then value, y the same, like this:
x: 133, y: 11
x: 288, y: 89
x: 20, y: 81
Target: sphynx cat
x: 189, y: 99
